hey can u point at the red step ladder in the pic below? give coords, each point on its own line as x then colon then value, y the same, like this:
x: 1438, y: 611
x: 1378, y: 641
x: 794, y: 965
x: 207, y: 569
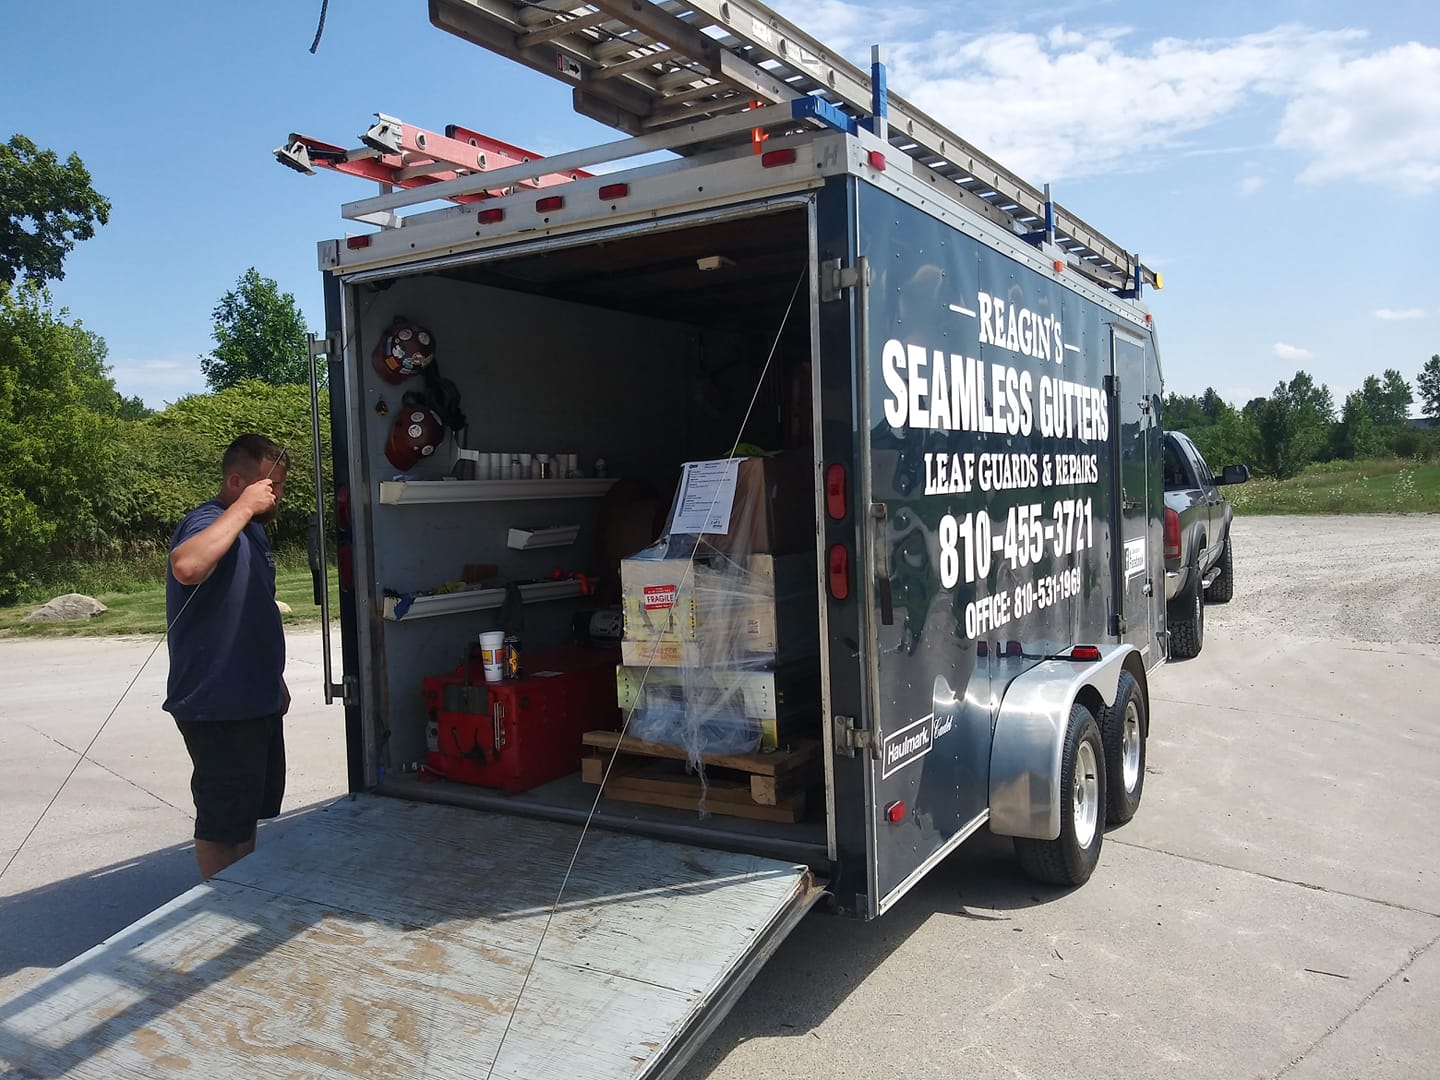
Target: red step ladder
x: 400, y: 155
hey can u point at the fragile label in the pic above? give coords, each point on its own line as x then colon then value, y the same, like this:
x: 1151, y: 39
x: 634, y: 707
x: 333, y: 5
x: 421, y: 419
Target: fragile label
x: 659, y: 597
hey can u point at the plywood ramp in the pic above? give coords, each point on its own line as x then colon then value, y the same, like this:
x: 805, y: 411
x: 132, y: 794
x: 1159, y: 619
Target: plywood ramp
x: 384, y: 938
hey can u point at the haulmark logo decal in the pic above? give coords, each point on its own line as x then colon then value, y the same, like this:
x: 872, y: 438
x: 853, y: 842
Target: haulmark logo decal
x: 908, y: 745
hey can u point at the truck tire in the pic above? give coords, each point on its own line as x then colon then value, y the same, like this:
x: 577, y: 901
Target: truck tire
x: 1186, y: 618
x: 1070, y: 858
x: 1122, y: 730
x: 1223, y: 587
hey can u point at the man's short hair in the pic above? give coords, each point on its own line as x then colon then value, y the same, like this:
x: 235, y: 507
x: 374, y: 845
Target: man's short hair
x: 251, y: 452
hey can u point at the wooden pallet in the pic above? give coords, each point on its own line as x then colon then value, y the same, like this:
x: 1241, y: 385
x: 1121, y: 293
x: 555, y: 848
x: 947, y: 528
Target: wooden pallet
x: 763, y: 787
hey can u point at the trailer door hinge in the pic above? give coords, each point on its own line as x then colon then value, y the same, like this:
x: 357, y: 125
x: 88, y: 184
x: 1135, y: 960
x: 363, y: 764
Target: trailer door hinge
x: 849, y: 738
x: 835, y: 278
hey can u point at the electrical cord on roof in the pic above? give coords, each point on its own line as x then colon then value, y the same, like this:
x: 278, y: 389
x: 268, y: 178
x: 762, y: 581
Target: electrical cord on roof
x: 324, y: 7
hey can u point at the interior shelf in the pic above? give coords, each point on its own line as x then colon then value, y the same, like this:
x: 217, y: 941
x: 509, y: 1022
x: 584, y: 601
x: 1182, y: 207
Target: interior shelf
x: 424, y: 607
x: 416, y: 492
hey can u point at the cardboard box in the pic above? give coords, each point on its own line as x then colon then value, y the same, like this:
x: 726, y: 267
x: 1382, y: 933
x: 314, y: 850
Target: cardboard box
x: 773, y: 512
x: 719, y: 612
x: 784, y: 703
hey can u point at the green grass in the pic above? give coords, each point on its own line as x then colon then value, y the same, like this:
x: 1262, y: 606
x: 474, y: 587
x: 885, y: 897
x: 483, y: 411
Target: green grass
x: 140, y: 607
x: 1391, y: 486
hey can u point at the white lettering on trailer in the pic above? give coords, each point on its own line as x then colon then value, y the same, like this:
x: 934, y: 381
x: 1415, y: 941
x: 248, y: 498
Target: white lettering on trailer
x: 929, y: 388
x: 1016, y: 328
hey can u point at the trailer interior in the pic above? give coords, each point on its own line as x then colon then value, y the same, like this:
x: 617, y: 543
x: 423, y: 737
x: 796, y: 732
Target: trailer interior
x: 644, y: 349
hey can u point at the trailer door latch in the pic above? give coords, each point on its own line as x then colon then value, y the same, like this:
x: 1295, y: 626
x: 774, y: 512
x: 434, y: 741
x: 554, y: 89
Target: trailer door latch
x: 835, y: 278
x: 849, y: 738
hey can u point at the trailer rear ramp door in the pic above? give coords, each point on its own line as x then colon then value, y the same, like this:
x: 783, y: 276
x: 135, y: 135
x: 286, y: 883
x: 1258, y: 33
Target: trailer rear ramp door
x: 387, y: 938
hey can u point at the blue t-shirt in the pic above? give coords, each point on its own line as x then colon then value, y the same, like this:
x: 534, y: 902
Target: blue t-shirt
x: 227, y: 648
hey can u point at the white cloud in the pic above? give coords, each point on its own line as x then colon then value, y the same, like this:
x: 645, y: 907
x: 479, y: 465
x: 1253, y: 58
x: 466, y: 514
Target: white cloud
x: 1371, y: 117
x: 158, y: 381
x: 1250, y: 185
x: 1066, y: 103
x: 1397, y: 314
x: 1283, y: 351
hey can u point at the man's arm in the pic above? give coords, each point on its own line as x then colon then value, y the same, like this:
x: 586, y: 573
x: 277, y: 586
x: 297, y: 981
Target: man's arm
x: 195, y: 560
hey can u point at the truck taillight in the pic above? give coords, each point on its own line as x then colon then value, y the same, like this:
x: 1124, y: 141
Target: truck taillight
x: 1172, y: 534
x: 835, y: 492
x: 838, y: 572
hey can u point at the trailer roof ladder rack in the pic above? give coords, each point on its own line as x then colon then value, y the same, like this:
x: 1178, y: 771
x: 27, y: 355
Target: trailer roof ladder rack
x: 644, y: 65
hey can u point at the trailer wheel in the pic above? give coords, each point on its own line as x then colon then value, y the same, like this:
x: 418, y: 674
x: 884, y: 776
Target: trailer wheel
x: 1223, y: 587
x: 1070, y: 858
x: 1122, y: 730
x: 1187, y: 621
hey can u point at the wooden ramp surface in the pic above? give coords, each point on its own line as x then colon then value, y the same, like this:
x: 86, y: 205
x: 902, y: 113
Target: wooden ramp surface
x: 385, y: 938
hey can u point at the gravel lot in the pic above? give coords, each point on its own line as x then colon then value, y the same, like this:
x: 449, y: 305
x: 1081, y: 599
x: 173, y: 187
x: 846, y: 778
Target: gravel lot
x: 1360, y: 577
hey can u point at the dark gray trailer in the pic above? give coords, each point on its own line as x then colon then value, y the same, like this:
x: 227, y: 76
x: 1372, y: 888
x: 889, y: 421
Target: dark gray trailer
x: 974, y: 378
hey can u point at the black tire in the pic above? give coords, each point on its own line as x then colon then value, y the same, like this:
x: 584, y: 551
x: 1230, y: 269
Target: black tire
x: 1186, y: 618
x: 1065, y: 860
x: 1223, y: 587
x: 1127, y: 718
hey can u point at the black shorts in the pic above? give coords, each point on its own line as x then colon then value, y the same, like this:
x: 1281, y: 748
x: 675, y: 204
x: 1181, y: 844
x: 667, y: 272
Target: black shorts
x: 239, y: 774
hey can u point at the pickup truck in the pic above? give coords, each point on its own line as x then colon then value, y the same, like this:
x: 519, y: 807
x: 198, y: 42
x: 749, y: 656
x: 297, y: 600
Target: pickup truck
x: 1199, y: 561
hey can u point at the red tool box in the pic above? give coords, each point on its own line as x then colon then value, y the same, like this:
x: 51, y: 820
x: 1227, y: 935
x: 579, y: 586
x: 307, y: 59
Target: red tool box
x: 519, y: 733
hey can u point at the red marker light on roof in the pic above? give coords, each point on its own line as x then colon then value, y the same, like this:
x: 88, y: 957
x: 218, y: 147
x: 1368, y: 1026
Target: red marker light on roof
x: 356, y: 243
x: 1085, y: 652
x: 772, y: 158
x: 614, y: 191
x: 490, y: 217
x: 877, y: 160
x: 550, y: 202
x: 1059, y: 266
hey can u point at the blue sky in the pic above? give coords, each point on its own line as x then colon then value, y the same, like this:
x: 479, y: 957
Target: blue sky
x: 1279, y: 162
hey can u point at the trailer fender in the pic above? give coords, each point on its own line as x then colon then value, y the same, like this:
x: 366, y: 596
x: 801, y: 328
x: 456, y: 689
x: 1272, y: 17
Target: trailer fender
x: 1030, y: 736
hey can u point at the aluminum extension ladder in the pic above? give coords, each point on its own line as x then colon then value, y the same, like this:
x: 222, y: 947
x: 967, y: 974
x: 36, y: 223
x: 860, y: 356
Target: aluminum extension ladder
x: 644, y: 65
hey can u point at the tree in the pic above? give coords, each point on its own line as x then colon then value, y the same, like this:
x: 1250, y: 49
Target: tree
x: 1428, y: 383
x: 56, y: 450
x: 1358, y: 436
x: 259, y: 334
x: 1294, y: 425
x: 45, y: 207
x: 1388, y: 399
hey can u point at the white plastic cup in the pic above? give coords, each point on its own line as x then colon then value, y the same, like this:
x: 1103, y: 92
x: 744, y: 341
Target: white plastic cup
x: 572, y: 466
x: 492, y: 654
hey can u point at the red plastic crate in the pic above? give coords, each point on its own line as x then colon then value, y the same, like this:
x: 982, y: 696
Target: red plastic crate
x: 517, y: 734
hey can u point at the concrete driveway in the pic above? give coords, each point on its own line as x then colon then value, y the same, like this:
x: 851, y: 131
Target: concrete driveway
x: 1272, y: 911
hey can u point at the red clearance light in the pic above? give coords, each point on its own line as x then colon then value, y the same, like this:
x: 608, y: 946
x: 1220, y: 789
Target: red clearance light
x: 877, y: 160
x: 614, y: 191
x: 1059, y: 266
x: 839, y: 572
x: 835, y: 492
x: 550, y: 202
x: 490, y: 217
x: 895, y: 812
x: 1085, y: 652
x: 1172, y: 534
x: 355, y: 243
x: 772, y: 158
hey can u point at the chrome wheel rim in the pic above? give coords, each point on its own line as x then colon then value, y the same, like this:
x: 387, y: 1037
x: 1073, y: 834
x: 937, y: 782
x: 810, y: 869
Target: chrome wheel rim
x: 1086, y: 795
x: 1130, y: 743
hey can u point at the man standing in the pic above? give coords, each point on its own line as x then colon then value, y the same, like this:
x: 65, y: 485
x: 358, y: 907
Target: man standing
x: 227, y: 688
